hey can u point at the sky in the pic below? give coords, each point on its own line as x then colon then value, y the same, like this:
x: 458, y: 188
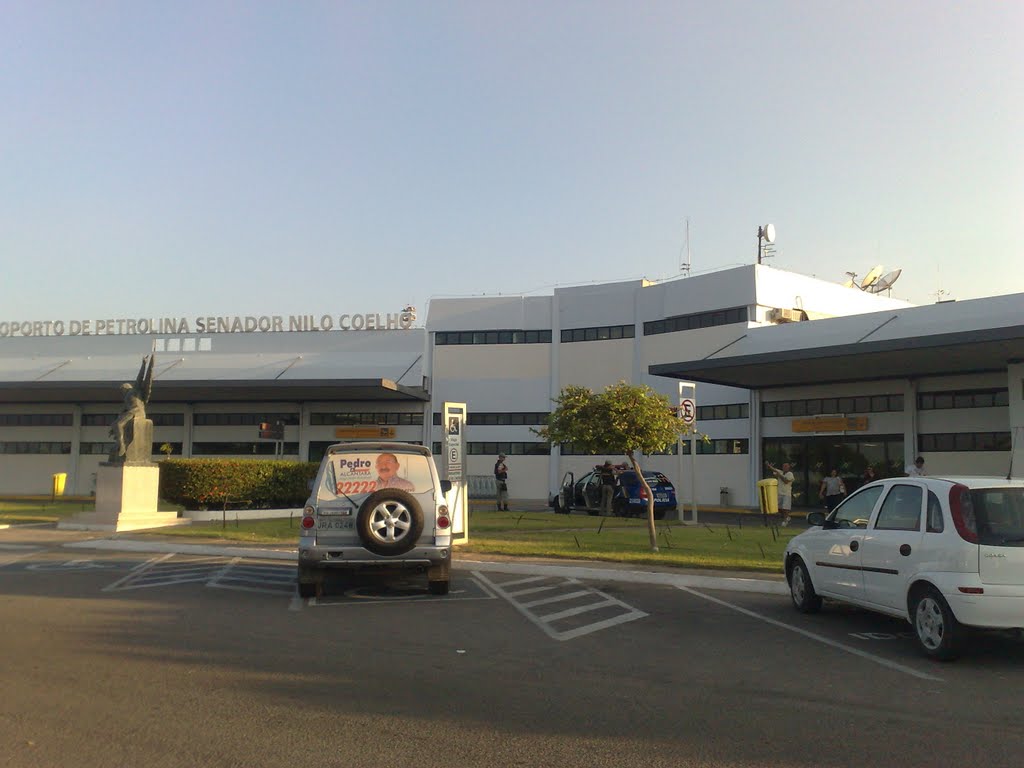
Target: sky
x: 228, y: 158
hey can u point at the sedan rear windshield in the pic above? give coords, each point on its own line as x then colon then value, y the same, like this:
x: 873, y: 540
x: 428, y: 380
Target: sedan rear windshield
x: 999, y: 515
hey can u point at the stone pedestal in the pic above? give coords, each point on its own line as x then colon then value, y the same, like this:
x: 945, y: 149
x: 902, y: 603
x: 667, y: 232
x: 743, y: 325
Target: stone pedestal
x: 126, y: 500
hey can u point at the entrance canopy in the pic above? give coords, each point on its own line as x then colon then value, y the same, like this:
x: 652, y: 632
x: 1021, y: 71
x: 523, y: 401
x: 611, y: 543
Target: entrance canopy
x: 281, y: 367
x: 981, y: 335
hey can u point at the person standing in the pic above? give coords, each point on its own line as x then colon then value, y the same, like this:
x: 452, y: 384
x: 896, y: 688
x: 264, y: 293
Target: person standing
x: 918, y: 469
x: 785, y: 478
x: 832, y: 490
x: 869, y: 475
x: 501, y: 482
x: 607, y: 472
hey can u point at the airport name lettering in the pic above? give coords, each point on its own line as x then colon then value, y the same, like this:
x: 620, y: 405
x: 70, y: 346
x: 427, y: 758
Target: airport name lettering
x: 143, y: 326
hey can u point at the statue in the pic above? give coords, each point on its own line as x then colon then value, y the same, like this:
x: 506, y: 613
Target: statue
x: 132, y: 430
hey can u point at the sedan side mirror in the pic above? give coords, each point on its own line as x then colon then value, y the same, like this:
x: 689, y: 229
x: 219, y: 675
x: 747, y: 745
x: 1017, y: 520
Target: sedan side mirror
x: 816, y: 518
x: 446, y: 485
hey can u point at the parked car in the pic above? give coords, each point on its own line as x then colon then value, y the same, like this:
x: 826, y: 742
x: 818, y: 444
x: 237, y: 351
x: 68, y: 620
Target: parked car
x: 375, y: 506
x: 630, y: 499
x: 943, y: 553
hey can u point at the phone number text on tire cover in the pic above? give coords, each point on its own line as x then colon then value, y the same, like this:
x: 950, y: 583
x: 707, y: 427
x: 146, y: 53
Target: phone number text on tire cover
x: 355, y: 486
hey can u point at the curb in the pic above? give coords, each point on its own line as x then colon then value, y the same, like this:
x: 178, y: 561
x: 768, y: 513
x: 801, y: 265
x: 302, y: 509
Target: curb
x: 762, y: 586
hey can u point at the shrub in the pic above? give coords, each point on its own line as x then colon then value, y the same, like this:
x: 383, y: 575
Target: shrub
x: 198, y: 483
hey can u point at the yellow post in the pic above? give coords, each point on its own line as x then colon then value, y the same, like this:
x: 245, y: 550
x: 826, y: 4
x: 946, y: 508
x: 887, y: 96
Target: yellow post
x: 768, y: 497
x: 59, y: 479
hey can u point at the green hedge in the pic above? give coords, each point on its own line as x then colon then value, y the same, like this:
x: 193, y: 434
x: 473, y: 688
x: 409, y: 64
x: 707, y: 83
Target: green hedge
x: 208, y: 483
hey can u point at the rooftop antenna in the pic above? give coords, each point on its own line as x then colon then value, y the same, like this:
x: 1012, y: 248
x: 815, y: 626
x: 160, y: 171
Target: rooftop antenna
x: 885, y: 282
x: 871, y: 277
x: 765, y: 239
x: 852, y: 282
x: 684, y: 267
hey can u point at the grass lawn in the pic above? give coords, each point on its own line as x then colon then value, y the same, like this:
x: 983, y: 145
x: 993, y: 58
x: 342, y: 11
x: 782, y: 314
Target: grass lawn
x: 41, y: 509
x: 578, y: 537
x: 537, y: 534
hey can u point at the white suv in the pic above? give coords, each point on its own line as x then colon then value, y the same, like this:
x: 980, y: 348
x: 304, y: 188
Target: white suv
x: 943, y: 553
x: 376, y: 505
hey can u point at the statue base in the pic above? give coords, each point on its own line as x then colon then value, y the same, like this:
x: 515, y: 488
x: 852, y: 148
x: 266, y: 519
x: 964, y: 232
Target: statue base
x: 126, y: 500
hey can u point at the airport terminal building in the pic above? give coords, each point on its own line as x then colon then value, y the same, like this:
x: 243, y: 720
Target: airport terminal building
x: 787, y: 367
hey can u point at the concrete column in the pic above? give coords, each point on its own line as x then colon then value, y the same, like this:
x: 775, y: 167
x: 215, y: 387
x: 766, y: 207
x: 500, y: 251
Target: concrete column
x: 909, y: 422
x: 186, y: 433
x: 1015, y: 385
x: 555, y: 457
x: 756, y: 458
x: 76, y: 449
x: 304, y: 409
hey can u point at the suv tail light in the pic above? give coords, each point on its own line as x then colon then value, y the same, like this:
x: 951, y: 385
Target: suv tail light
x: 307, y: 518
x: 962, y: 510
x: 443, y: 521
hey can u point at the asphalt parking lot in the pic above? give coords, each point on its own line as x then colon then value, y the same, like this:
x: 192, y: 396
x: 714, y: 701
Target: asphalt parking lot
x: 529, y: 668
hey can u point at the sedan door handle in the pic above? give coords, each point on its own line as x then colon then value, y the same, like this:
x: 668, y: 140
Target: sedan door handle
x: 854, y: 545
x: 905, y: 550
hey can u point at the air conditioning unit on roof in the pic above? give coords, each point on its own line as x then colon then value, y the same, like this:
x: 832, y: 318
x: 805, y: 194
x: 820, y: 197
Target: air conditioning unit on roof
x: 778, y: 315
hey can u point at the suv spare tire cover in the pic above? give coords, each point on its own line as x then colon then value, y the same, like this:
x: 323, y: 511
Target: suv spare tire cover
x: 389, y: 522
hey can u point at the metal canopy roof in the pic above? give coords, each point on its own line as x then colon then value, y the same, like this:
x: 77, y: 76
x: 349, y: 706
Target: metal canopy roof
x: 977, y: 336
x: 383, y: 366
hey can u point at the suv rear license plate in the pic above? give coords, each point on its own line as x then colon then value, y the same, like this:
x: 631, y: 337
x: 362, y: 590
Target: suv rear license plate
x: 336, y: 523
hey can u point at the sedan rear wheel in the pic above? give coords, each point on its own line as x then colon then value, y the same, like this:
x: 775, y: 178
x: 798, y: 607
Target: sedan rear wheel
x: 939, y: 635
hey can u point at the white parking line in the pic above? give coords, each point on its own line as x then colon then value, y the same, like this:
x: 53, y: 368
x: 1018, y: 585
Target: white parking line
x: 819, y: 638
x: 17, y: 552
x: 545, y: 621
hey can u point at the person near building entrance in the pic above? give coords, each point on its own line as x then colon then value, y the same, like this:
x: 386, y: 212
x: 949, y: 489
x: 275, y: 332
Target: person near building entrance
x: 918, y: 469
x: 501, y: 482
x: 785, y: 478
x: 869, y: 475
x: 833, y: 489
x: 607, y: 472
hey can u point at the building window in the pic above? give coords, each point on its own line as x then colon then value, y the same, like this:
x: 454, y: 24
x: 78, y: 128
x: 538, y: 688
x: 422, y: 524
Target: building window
x: 35, y: 419
x: 724, y: 447
x: 513, y: 448
x: 598, y: 333
x: 974, y: 398
x: 717, y: 412
x: 371, y: 418
x: 830, y: 405
x: 242, y: 419
x: 95, y: 448
x: 508, y: 336
x: 671, y: 450
x: 261, y: 448
x: 697, y: 320
x: 34, y: 447
x: 963, y: 441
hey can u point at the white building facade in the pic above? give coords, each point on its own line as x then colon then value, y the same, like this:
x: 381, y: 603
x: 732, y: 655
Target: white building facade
x: 759, y: 342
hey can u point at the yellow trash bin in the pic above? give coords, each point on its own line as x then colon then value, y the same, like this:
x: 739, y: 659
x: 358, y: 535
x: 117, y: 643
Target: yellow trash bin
x: 768, y: 496
x: 59, y: 479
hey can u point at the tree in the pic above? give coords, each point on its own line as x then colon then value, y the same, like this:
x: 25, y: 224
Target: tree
x: 626, y: 419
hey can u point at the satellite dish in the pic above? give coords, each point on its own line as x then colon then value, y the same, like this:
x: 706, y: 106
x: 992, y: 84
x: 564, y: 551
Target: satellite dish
x: 871, y: 277
x: 885, y: 283
x: 768, y: 233
x: 849, y: 284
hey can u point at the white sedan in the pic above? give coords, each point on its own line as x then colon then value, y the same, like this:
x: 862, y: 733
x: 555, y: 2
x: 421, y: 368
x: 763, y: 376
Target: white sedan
x: 943, y: 553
